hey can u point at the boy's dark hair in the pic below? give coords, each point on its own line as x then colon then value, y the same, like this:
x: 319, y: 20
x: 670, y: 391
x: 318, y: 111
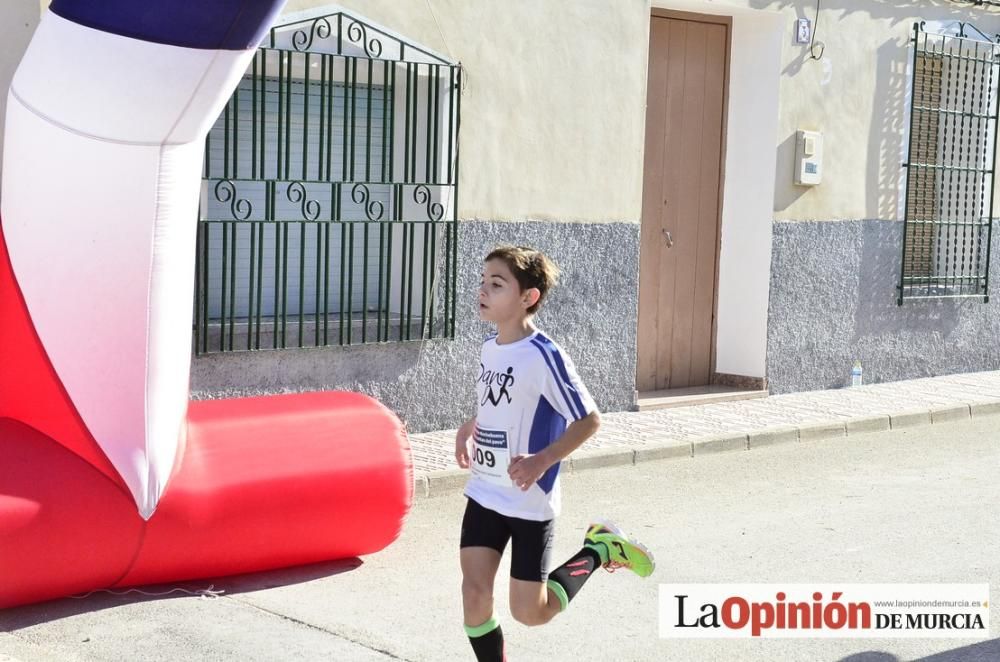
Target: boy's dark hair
x: 530, y: 267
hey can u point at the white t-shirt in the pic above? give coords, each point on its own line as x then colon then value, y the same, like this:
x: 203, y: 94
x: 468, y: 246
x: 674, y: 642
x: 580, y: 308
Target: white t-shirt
x: 528, y: 393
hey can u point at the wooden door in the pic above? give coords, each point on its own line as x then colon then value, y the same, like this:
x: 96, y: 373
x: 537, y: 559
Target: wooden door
x: 681, y: 203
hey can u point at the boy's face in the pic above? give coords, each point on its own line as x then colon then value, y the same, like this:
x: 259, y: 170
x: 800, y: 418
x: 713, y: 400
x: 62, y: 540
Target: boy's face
x: 500, y: 296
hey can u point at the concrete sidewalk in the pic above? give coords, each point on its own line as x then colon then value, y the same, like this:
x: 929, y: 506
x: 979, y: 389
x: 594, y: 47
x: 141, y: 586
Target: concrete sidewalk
x: 632, y: 437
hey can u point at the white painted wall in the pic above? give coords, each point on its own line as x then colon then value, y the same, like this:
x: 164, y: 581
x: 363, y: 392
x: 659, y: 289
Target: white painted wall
x: 748, y: 194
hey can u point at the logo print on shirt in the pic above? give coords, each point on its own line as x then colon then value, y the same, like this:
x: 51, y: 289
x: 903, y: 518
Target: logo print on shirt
x: 502, y: 380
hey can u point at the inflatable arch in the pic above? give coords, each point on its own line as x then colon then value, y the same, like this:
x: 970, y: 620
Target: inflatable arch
x: 109, y: 476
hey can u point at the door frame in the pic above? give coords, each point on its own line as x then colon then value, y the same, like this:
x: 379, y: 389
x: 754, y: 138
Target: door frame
x: 727, y: 21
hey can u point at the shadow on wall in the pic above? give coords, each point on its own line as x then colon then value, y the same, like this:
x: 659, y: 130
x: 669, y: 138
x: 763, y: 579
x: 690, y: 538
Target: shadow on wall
x: 877, y: 312
x: 884, y: 171
x: 886, y: 152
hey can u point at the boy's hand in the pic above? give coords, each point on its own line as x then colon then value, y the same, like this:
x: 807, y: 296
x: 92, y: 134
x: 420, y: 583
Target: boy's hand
x: 462, y: 444
x: 525, y: 470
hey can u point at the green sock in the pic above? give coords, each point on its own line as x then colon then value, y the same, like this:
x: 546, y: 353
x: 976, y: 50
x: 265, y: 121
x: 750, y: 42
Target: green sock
x: 487, y: 641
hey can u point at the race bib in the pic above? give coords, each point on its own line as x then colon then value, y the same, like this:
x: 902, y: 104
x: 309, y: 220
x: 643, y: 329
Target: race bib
x: 490, y: 458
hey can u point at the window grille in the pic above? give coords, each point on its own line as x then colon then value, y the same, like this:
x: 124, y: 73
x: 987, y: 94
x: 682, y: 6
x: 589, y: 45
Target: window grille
x: 949, y: 169
x: 329, y: 194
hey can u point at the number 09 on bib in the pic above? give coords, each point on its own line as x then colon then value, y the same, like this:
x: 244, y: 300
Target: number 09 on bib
x: 491, y: 456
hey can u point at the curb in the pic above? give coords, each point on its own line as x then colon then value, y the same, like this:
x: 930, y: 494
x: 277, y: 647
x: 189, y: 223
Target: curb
x: 449, y: 481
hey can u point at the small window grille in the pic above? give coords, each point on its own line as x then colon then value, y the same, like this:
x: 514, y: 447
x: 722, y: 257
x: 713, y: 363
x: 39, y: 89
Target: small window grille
x: 950, y: 166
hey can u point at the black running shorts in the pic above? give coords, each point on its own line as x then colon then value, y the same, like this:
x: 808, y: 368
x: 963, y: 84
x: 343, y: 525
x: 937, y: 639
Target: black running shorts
x: 532, y: 540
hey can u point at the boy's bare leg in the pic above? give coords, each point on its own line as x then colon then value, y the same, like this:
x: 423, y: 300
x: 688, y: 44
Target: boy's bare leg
x: 479, y: 571
x: 532, y: 603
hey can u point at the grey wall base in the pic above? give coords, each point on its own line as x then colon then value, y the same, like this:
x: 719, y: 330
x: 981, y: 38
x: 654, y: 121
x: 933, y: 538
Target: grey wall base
x: 833, y: 300
x: 430, y: 384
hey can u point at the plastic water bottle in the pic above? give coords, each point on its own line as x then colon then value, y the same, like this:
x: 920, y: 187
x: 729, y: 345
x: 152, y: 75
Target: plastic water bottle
x: 856, y: 374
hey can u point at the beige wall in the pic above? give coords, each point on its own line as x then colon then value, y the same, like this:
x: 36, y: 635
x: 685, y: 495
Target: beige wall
x: 19, y: 19
x: 552, y: 115
x: 855, y: 95
x: 553, y: 109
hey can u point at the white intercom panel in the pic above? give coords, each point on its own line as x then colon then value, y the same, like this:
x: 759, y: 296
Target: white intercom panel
x: 808, y: 158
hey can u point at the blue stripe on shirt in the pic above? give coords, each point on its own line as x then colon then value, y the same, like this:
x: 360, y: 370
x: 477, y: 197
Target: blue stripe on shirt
x: 547, y: 426
x: 561, y: 376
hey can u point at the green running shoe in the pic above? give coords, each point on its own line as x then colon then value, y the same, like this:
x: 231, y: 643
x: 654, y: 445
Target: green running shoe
x: 622, y: 552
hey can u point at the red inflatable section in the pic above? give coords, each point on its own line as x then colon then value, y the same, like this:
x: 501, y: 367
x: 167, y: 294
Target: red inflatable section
x: 264, y: 483
x: 30, y: 391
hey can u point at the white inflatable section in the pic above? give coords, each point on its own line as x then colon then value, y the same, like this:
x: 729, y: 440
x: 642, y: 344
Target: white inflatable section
x: 102, y: 238
x: 123, y: 89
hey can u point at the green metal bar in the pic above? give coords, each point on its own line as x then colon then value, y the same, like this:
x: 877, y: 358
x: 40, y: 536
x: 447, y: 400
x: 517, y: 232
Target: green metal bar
x: 350, y: 281
x: 381, y: 275
x: 254, y: 81
x: 364, y: 286
x: 277, y: 274
x: 428, y: 149
x: 302, y: 278
x: 392, y: 124
x: 288, y: 117
x: 374, y: 182
x: 344, y: 149
x: 396, y: 193
x: 403, y: 280
x: 451, y: 116
x: 436, y: 124
x: 409, y: 282
x: 368, y: 126
x: 424, y: 283
x: 222, y: 289
x: 949, y: 155
x: 331, y: 91
x: 323, y: 84
x: 284, y: 284
x: 200, y: 267
x: 319, y: 256
x: 354, y: 110
x: 232, y: 284
x: 416, y: 122
x: 260, y: 281
x: 406, y: 129
x: 204, y: 286
x: 908, y: 209
x: 306, y: 96
x: 982, y: 150
x: 945, y: 111
x: 993, y: 183
x: 196, y: 328
x: 326, y: 284
x: 263, y: 116
x: 962, y: 209
x: 225, y: 143
x: 433, y: 271
x: 947, y: 168
x: 385, y: 123
x: 250, y: 285
x: 280, y: 116
x: 343, y: 277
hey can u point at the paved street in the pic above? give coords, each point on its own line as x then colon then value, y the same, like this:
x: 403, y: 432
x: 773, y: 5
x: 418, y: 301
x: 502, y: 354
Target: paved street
x: 909, y: 505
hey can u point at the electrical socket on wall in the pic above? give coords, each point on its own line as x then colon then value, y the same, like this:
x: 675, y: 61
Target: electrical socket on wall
x: 803, y: 31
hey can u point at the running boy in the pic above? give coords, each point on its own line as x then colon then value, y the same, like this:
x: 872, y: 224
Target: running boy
x: 528, y: 390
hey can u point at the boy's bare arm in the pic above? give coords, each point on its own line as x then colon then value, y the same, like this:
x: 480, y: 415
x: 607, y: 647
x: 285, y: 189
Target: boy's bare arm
x: 526, y: 469
x: 462, y: 442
